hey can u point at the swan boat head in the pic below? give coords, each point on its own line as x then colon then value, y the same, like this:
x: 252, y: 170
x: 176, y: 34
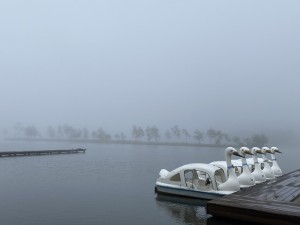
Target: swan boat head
x: 276, y: 169
x: 228, y: 162
x: 246, y: 179
x: 238, y: 164
x: 275, y: 150
x: 232, y: 183
x: 267, y: 168
x: 244, y: 151
x: 257, y: 172
x: 232, y: 151
x: 266, y: 150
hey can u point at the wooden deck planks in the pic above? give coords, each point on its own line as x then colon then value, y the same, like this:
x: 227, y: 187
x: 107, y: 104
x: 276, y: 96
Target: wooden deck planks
x: 289, y: 195
x: 266, y: 203
x: 267, y: 215
x: 288, y: 181
x: 248, y: 203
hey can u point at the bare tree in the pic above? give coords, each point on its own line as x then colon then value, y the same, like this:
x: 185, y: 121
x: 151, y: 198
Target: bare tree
x: 176, y: 132
x: 198, y: 135
x: 155, y: 133
x: 122, y: 136
x: 134, y: 133
x: 148, y: 133
x: 101, y: 135
x: 60, y: 132
x: 260, y: 140
x: 140, y: 133
x: 168, y: 135
x: 31, y: 132
x: 152, y: 133
x: 236, y: 140
x: 186, y: 134
x: 18, y: 129
x: 71, y: 132
x: 218, y: 137
x: 211, y: 133
x: 85, y: 133
x: 51, y: 132
x: 117, y: 136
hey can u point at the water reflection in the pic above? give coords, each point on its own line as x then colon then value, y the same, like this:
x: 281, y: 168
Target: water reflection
x: 190, y: 211
x: 184, y: 210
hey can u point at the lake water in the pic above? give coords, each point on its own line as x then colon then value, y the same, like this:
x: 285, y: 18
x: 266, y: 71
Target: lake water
x: 109, y: 184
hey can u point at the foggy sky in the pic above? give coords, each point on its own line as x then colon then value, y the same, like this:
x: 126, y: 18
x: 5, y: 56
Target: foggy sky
x: 231, y: 65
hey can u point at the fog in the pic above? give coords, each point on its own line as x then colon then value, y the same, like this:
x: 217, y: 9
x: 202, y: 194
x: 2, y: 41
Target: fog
x: 229, y: 65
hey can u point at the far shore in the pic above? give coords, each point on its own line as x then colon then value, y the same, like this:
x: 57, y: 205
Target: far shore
x: 121, y: 142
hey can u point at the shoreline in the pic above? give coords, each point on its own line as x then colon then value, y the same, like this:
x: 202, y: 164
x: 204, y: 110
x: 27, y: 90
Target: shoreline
x: 124, y: 142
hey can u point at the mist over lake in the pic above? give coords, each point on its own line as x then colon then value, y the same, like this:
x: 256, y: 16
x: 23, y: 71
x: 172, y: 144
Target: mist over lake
x: 142, y: 85
x: 198, y: 65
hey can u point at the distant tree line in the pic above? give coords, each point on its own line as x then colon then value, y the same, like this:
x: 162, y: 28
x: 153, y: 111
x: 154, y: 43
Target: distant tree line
x: 138, y: 134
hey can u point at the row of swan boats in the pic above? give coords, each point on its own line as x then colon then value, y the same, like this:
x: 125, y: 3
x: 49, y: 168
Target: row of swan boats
x: 219, y: 178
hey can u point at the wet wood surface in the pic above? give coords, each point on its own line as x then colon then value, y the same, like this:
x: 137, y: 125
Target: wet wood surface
x: 273, y: 202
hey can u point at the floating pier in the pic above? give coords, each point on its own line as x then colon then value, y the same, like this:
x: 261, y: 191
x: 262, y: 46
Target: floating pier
x: 273, y: 202
x: 41, y: 152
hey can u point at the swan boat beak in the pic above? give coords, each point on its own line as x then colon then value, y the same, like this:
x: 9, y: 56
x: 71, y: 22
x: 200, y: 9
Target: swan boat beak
x: 269, y: 151
x: 237, y: 154
x: 248, y: 152
x: 259, y: 151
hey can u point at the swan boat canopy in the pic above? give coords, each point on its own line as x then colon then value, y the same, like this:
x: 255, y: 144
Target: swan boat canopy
x: 197, y: 180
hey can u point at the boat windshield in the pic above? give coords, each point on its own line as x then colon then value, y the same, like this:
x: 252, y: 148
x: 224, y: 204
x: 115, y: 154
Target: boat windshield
x: 238, y: 170
x: 252, y: 168
x: 197, y: 179
x: 220, y: 176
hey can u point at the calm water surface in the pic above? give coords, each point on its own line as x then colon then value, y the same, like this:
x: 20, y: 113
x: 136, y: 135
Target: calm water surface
x: 109, y: 184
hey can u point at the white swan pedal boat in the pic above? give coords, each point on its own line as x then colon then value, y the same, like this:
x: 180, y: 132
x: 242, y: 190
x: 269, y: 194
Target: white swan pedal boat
x: 197, y: 180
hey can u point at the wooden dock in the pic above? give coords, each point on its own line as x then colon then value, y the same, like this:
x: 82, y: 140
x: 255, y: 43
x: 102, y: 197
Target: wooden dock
x: 41, y: 152
x: 273, y: 202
